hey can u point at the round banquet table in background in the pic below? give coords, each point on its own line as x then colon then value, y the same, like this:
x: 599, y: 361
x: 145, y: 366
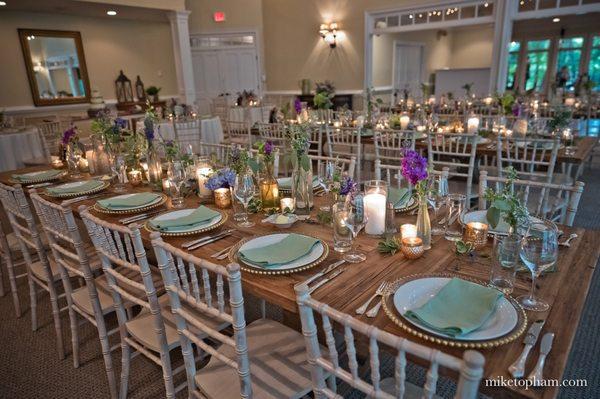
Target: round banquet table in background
x: 254, y: 114
x: 211, y: 131
x: 17, y: 145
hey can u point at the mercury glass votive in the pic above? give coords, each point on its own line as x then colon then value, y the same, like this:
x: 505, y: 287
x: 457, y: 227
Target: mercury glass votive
x: 222, y: 198
x: 412, y: 247
x: 134, y: 177
x: 476, y: 234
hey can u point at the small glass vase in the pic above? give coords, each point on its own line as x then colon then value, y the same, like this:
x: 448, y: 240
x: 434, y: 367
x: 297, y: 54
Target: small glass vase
x: 423, y: 223
x: 119, y: 170
x: 302, y: 191
x: 154, y: 168
x: 74, y: 155
x: 269, y: 190
x: 99, y: 163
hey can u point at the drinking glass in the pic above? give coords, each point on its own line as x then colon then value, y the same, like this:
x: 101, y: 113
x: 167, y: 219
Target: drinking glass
x: 342, y: 236
x: 504, y: 262
x: 539, y: 251
x: 118, y: 169
x: 456, y: 206
x: 327, y: 171
x: 355, y: 220
x: 176, y: 173
x: 437, y: 198
x: 243, y: 190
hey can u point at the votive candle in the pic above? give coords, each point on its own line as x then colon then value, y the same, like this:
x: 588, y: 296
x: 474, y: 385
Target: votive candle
x: 202, y: 174
x: 222, y: 198
x: 286, y: 203
x: 476, y: 234
x: 412, y: 247
x: 408, y: 230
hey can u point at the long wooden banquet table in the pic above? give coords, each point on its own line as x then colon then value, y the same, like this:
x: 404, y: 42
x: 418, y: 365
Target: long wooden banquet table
x: 565, y: 290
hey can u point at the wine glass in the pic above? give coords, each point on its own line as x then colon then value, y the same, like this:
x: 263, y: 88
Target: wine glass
x: 539, y: 251
x: 243, y: 190
x: 437, y: 197
x: 176, y: 173
x: 355, y: 219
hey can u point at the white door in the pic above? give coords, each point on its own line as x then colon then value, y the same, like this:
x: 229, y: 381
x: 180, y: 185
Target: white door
x: 206, y: 77
x: 408, y: 66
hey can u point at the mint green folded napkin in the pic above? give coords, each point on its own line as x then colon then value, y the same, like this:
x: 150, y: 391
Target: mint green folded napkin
x: 292, y: 247
x: 41, y: 175
x: 285, y: 183
x: 135, y: 200
x: 86, y: 186
x: 398, y: 196
x: 457, y: 309
x: 200, y: 216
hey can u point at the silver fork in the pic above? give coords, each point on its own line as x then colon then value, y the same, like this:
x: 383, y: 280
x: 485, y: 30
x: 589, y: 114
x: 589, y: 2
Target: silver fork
x: 365, y: 305
x: 375, y: 309
x: 221, y: 252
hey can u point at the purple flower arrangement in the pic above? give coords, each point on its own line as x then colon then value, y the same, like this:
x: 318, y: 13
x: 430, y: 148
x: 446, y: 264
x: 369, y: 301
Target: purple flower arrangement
x: 414, y: 167
x: 69, y: 135
x: 347, y: 186
x: 223, y: 178
x: 297, y: 105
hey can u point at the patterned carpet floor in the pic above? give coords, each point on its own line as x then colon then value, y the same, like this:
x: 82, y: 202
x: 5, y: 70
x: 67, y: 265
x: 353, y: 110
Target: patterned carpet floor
x: 30, y: 367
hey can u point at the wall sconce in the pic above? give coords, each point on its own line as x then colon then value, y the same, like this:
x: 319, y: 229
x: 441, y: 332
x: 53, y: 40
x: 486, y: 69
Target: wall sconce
x: 329, y: 33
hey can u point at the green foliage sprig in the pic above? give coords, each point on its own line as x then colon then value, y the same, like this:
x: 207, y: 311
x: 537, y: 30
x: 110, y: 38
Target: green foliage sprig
x: 463, y: 248
x: 561, y: 119
x: 506, y: 204
x: 299, y: 136
x: 390, y: 246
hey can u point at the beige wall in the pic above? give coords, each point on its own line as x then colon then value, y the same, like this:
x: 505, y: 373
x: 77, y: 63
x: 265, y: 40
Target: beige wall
x: 472, y: 47
x: 240, y: 15
x: 137, y: 47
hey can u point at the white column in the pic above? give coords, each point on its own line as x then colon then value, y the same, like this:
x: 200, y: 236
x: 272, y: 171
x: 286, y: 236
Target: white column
x: 183, y: 55
x: 503, y: 12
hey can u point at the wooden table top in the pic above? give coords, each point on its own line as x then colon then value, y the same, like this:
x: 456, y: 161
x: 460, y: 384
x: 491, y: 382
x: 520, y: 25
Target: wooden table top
x: 565, y: 290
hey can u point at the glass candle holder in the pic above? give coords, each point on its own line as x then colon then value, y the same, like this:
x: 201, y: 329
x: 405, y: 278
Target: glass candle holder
x: 203, y: 172
x: 476, y: 234
x: 286, y: 205
x: 134, y: 177
x: 222, y: 198
x: 408, y: 230
x: 412, y: 247
x: 375, y: 201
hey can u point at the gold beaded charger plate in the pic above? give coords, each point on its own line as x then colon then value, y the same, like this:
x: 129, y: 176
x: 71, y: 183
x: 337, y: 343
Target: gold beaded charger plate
x: 34, y: 177
x: 506, y: 324
x: 317, y: 255
x: 159, y: 201
x: 74, y: 184
x: 212, y: 224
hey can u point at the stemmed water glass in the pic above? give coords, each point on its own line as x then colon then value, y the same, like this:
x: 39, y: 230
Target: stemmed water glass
x: 177, y: 175
x: 243, y: 190
x: 436, y: 196
x: 539, y: 251
x: 355, y: 219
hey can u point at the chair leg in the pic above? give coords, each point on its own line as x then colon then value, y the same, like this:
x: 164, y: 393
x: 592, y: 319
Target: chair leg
x: 167, y: 373
x: 105, y: 345
x: 125, y: 360
x: 2, y: 292
x: 74, y: 336
x: 10, y: 266
x: 33, y: 305
x: 56, y: 317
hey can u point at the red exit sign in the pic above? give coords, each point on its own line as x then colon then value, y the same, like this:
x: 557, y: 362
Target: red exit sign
x: 219, y: 16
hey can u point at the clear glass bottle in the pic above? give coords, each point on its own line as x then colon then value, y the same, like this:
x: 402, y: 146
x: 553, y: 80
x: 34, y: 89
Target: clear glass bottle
x: 423, y: 222
x: 269, y: 190
x: 302, y: 190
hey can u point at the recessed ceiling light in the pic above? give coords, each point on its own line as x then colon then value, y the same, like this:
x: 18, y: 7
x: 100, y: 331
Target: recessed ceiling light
x: 111, y: 12
x: 556, y: 20
x: 2, y: 3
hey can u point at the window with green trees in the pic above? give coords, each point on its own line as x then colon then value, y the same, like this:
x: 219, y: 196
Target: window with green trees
x: 537, y: 64
x: 569, y: 59
x: 594, y: 66
x: 513, y: 62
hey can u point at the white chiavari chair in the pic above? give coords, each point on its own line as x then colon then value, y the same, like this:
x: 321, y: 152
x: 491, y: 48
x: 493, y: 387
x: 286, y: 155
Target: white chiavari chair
x: 555, y: 202
x: 74, y: 258
x: 152, y: 332
x: 273, y: 132
x: 41, y: 270
x: 51, y: 132
x: 533, y: 158
x: 9, y: 255
x: 188, y: 133
x: 347, y: 166
x: 457, y: 152
x: 469, y: 368
x: 218, y: 153
x: 262, y: 360
x: 238, y: 133
x: 316, y: 140
x: 345, y: 143
x: 392, y: 174
x: 391, y: 144
x: 219, y: 107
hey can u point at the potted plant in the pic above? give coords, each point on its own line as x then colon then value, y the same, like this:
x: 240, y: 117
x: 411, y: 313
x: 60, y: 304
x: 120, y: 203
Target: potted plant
x: 153, y: 91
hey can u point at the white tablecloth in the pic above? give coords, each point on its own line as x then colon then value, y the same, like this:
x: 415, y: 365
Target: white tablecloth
x: 211, y: 131
x: 18, y: 146
x: 250, y: 114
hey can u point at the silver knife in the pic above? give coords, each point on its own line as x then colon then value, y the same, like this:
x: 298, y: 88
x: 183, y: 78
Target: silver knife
x: 144, y: 215
x: 536, y: 374
x: 517, y: 369
x: 199, y: 240
x: 215, y: 238
x: 325, y: 280
x: 323, y: 272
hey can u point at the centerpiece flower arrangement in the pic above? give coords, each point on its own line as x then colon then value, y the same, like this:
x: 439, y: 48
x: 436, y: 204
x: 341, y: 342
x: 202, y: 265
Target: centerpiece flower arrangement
x: 324, y: 93
x: 302, y: 178
x: 394, y: 121
x: 153, y: 161
x: 246, y: 98
x: 414, y: 170
x: 72, y: 149
x: 268, y: 186
x: 506, y: 205
x: 220, y: 183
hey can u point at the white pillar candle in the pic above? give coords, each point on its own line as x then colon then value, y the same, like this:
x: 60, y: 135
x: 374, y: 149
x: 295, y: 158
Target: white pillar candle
x: 520, y: 127
x: 202, y: 175
x: 431, y: 100
x: 404, y: 119
x: 89, y: 155
x: 472, y: 125
x: 375, y: 209
x: 570, y: 101
x: 286, y: 203
x: 488, y: 100
x: 408, y: 231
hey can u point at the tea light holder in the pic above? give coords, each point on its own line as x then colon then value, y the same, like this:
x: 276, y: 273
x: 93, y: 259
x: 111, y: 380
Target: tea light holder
x: 408, y: 231
x: 203, y: 174
x: 476, y: 234
x: 222, y: 198
x: 286, y: 205
x: 166, y: 186
x: 473, y: 124
x: 375, y: 201
x: 404, y: 121
x: 56, y: 162
x: 134, y: 177
x: 412, y: 247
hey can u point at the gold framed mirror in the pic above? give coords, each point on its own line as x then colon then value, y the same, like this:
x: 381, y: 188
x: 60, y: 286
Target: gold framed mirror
x: 55, y: 66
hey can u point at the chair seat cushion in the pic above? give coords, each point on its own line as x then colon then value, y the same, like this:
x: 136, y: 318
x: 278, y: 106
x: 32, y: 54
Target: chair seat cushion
x: 81, y: 297
x: 278, y: 365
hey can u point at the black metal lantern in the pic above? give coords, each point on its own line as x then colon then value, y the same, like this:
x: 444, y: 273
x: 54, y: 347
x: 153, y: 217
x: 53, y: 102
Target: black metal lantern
x: 124, y: 90
x: 140, y: 92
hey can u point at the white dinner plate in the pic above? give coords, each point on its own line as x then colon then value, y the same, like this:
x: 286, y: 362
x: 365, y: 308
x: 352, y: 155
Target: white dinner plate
x: 288, y: 180
x: 480, y: 216
x: 184, y: 212
x: 416, y: 293
x: 263, y: 241
x: 129, y: 208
